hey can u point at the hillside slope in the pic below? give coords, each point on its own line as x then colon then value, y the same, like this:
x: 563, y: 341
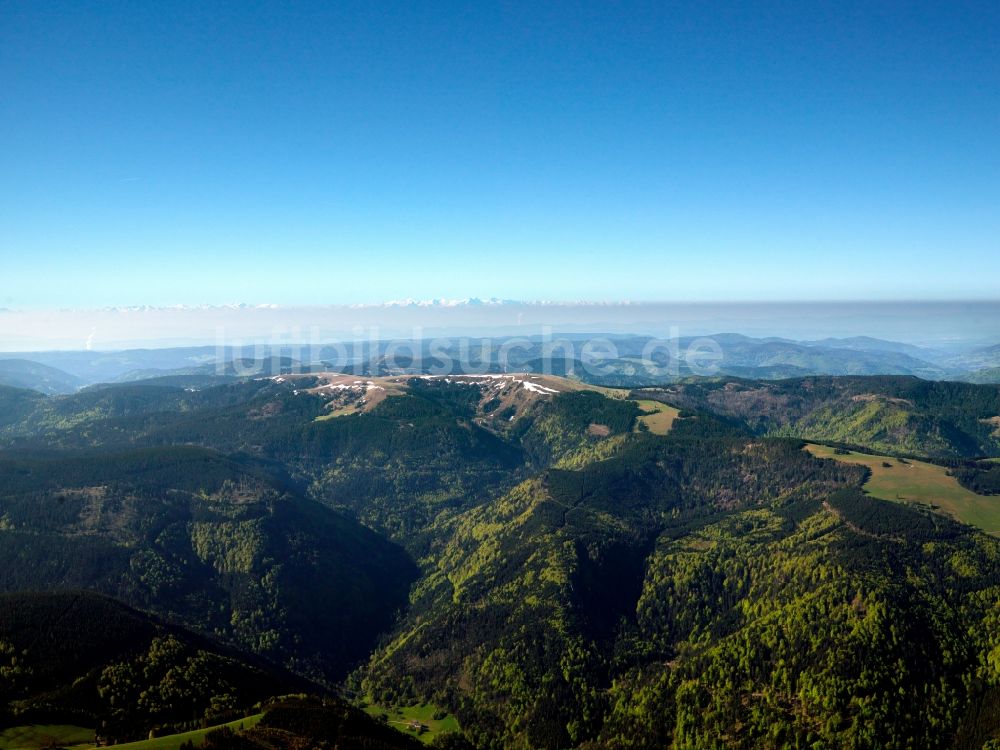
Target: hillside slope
x: 886, y: 414
x: 582, y: 579
x: 698, y: 587
x: 207, y: 541
x: 23, y: 373
x: 84, y: 659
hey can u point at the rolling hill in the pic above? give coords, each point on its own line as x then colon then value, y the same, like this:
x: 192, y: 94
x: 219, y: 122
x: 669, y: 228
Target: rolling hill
x: 887, y: 413
x: 698, y: 585
x: 83, y: 666
x: 213, y: 543
x: 78, y: 658
x: 23, y: 373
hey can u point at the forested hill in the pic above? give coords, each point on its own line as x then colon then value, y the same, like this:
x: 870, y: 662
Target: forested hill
x: 80, y: 658
x: 699, y: 588
x: 885, y: 413
x: 536, y: 562
x: 77, y: 660
x: 23, y: 373
x: 212, y: 542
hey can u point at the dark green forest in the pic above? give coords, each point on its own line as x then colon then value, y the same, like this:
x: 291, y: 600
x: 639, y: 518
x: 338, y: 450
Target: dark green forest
x: 533, y: 562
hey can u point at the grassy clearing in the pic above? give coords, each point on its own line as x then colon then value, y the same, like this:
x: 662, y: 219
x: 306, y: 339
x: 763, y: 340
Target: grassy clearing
x: 46, y: 735
x: 402, y: 717
x: 197, y: 737
x: 343, y: 411
x: 615, y: 393
x: 657, y: 416
x: 924, y: 483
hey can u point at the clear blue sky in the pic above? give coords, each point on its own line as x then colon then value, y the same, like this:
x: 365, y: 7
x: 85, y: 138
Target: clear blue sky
x: 199, y: 152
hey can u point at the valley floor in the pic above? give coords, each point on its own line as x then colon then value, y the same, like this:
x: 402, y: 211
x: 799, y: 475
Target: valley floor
x: 417, y: 720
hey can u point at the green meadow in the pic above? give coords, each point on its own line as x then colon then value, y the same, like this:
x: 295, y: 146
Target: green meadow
x: 920, y: 482
x: 657, y: 416
x: 196, y: 737
x: 46, y: 735
x: 405, y: 717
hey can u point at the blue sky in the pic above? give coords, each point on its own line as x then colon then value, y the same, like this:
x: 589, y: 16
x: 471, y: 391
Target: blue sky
x: 317, y: 153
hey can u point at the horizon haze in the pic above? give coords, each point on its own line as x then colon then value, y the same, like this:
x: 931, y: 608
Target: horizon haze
x: 922, y: 323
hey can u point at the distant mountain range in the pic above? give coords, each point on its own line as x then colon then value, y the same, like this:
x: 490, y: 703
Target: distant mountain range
x: 627, y: 363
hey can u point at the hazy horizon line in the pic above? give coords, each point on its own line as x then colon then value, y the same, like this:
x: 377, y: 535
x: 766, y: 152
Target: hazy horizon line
x: 448, y: 303
x: 117, y: 328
